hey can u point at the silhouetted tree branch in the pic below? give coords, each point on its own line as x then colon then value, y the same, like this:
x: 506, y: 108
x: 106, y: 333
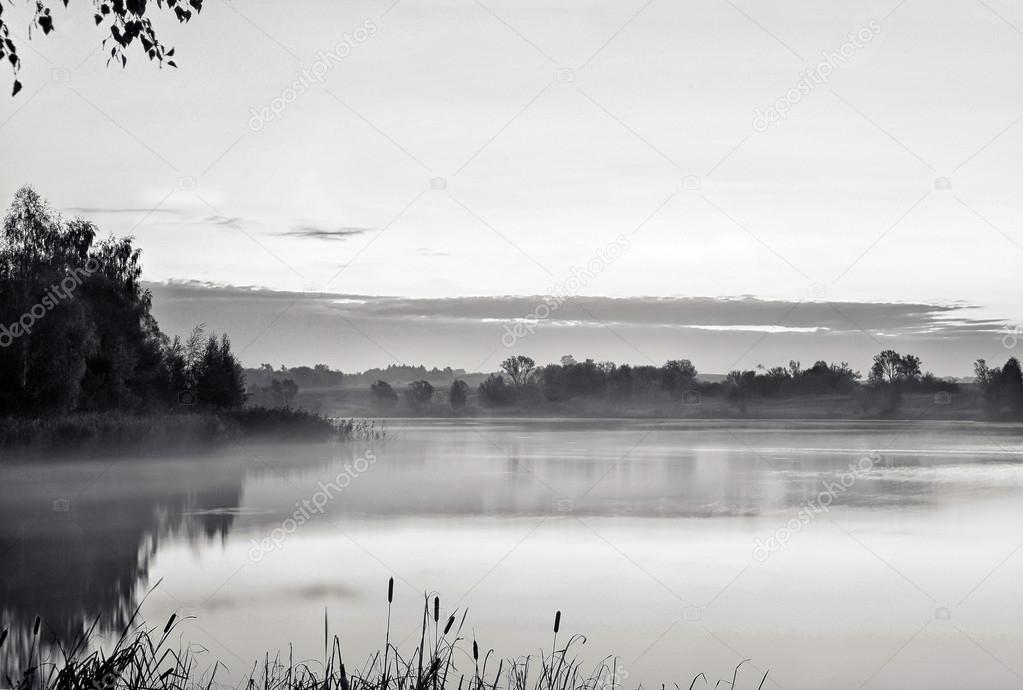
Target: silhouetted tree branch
x: 126, y: 22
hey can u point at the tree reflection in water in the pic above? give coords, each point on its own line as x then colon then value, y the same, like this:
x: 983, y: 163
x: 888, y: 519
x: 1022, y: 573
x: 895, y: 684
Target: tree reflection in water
x: 77, y: 556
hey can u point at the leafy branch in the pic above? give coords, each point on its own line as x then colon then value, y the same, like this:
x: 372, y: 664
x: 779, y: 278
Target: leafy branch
x: 128, y: 21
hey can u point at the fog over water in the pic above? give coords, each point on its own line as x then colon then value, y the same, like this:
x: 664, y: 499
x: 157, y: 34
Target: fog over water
x: 835, y: 554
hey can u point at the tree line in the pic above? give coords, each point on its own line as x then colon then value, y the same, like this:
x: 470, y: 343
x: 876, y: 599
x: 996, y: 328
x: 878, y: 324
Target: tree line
x: 522, y: 382
x: 76, y: 329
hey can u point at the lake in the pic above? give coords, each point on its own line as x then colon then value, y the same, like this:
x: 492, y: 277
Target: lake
x: 837, y: 555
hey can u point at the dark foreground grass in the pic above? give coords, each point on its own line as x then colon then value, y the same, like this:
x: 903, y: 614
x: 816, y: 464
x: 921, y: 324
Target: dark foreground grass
x: 117, y: 432
x: 442, y: 659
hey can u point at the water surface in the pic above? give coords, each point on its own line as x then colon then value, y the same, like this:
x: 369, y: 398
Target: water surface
x: 837, y: 555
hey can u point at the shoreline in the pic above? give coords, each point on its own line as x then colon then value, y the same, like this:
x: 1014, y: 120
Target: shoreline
x: 154, y: 433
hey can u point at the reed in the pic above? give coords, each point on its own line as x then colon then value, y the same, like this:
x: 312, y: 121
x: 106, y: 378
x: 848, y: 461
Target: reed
x: 142, y: 658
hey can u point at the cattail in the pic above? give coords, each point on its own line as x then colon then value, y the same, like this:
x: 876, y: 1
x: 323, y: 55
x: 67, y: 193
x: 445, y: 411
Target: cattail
x: 3, y: 636
x: 451, y: 621
x: 475, y: 651
x: 170, y: 622
x: 390, y: 590
x: 35, y: 626
x: 436, y: 609
x: 557, y: 622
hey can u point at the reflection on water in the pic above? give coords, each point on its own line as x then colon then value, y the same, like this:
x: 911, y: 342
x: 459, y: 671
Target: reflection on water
x: 77, y: 538
x: 654, y: 520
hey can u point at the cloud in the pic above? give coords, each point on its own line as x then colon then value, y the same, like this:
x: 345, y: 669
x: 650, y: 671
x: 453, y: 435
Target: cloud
x: 223, y: 221
x: 112, y: 211
x: 312, y: 232
x: 168, y: 215
x: 736, y: 314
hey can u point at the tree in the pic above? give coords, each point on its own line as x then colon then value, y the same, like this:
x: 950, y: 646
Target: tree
x: 620, y: 382
x: 126, y: 21
x: 677, y: 376
x: 909, y: 368
x: 495, y: 392
x: 75, y: 322
x: 125, y: 370
x: 46, y: 336
x: 739, y: 385
x: 419, y: 394
x: 519, y: 369
x: 280, y: 393
x: 218, y: 380
x: 383, y: 394
x: 585, y: 379
x: 886, y: 367
x: 823, y: 377
x: 1011, y: 385
x: 458, y: 394
x: 890, y: 373
x: 1002, y: 388
x: 891, y: 367
x: 289, y: 391
x: 553, y: 381
x: 76, y: 329
x: 982, y: 372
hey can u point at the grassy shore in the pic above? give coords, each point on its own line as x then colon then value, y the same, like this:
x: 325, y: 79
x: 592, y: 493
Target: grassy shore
x: 167, y: 432
x: 442, y: 659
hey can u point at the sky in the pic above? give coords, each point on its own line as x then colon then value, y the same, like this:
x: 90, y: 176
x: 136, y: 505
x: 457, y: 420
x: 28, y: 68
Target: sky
x: 365, y: 183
